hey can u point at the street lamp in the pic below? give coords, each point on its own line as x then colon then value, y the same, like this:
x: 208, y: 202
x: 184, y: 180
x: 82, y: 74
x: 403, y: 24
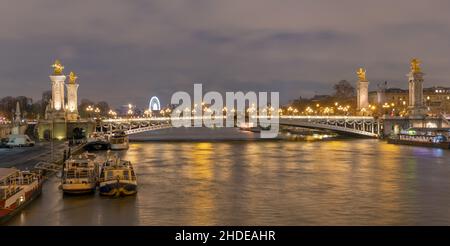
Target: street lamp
x: 89, y: 109
x: 112, y: 114
x: 386, y: 107
x: 97, y: 112
x: 289, y: 110
x: 147, y: 113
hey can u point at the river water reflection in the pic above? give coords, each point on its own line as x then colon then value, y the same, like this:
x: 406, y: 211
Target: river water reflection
x: 342, y: 182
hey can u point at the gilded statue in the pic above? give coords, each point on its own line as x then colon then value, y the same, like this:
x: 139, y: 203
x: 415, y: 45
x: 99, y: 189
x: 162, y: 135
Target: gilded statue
x: 361, y: 74
x: 415, y: 65
x: 57, y: 68
x: 72, y: 78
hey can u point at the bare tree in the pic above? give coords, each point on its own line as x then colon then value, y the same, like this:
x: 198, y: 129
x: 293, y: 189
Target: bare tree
x: 344, y: 90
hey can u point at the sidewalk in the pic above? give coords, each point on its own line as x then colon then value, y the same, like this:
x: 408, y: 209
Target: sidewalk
x: 26, y: 157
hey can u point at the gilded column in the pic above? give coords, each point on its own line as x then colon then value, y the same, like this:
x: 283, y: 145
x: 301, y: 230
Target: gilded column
x: 72, y: 97
x: 362, y: 91
x: 415, y: 77
x: 57, y: 79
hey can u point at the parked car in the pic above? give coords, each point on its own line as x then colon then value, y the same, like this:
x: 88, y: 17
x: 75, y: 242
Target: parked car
x: 3, y: 143
x: 20, y: 141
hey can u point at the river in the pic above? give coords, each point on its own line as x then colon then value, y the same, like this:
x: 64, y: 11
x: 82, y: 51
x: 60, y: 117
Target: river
x: 335, y: 182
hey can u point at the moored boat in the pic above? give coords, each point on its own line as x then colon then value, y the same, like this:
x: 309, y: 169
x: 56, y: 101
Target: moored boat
x: 17, y: 190
x: 252, y: 128
x: 117, y: 178
x: 97, y: 141
x: 80, y: 174
x: 434, y: 141
x: 119, y: 141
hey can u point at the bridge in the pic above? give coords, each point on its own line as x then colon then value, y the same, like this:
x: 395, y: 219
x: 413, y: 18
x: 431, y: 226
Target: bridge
x: 354, y: 125
x: 351, y: 125
x: 136, y: 125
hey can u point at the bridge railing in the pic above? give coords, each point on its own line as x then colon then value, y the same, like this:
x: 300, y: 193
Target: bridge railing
x: 331, y: 117
x: 161, y: 119
x: 320, y: 117
x: 361, y: 125
x: 145, y: 129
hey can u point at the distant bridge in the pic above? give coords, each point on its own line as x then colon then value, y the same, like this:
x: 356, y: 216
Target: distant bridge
x: 136, y: 125
x: 355, y: 125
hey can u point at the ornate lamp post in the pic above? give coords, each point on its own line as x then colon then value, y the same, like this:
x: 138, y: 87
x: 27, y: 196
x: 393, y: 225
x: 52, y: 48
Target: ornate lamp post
x: 112, y: 114
x: 386, y: 107
x: 89, y: 109
x: 147, y: 113
x: 97, y: 112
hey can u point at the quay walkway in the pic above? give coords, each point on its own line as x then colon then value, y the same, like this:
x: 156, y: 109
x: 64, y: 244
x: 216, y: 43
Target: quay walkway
x: 25, y: 158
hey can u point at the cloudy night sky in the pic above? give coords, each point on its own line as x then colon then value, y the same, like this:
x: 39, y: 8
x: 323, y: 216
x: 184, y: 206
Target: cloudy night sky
x: 128, y: 51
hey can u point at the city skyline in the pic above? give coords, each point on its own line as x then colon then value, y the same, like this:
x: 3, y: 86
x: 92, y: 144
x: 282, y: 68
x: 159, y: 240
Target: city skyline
x: 152, y: 49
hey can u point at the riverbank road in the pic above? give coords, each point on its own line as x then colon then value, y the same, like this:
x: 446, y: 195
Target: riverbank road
x: 27, y: 157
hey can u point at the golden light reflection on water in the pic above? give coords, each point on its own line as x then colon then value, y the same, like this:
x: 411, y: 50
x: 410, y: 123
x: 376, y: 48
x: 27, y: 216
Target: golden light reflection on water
x: 200, y: 169
x: 200, y: 161
x: 344, y: 182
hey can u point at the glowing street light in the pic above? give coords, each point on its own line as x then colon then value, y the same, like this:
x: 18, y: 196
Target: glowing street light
x: 89, y: 109
x: 112, y: 114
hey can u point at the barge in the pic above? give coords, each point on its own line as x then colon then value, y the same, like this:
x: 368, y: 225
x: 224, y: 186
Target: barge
x: 438, y: 141
x: 17, y: 190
